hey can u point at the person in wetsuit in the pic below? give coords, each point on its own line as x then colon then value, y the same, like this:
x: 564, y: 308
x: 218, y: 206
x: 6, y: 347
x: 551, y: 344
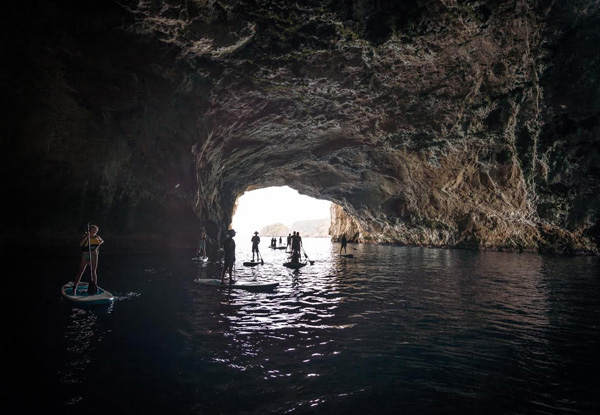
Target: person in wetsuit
x: 89, y: 244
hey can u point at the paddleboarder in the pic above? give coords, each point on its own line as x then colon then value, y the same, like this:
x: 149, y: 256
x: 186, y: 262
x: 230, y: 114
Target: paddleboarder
x: 344, y: 243
x: 255, y: 241
x: 296, y: 246
x: 89, y: 255
x: 202, y: 244
x: 229, y: 259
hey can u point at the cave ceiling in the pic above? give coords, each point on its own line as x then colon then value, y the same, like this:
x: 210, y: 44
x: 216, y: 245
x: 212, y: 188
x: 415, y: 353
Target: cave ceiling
x: 433, y: 123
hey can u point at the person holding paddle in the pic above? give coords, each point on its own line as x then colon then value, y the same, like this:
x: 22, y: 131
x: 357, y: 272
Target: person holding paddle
x: 255, y: 241
x: 344, y: 243
x: 89, y: 255
x: 229, y: 259
x: 296, y: 246
x: 202, y: 244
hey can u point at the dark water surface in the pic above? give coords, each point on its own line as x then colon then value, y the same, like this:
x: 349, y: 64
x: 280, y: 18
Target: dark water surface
x: 393, y: 330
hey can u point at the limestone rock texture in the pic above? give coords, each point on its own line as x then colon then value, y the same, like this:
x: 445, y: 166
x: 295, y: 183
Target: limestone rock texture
x: 442, y: 123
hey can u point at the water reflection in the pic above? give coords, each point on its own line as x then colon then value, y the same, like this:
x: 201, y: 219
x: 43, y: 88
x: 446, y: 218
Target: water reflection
x: 83, y: 337
x: 402, y: 325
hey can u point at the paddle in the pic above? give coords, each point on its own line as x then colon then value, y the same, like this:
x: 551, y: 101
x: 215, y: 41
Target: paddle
x: 261, y: 260
x: 306, y: 256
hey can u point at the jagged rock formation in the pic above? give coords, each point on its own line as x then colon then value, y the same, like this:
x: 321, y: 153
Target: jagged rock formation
x: 438, y: 123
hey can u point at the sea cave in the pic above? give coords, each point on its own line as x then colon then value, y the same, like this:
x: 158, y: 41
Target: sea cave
x: 427, y: 123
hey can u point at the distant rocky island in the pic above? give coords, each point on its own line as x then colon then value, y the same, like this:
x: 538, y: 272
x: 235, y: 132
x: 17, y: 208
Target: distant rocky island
x: 313, y: 228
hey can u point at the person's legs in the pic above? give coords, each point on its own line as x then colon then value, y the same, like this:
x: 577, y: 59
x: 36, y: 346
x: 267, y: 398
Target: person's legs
x: 94, y: 265
x: 82, y: 267
x: 227, y: 266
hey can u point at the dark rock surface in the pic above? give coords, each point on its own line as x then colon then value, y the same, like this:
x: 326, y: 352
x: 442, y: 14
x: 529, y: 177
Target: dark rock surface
x: 438, y: 123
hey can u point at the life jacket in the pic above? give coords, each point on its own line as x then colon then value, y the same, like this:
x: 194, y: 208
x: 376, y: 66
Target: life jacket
x: 94, y: 244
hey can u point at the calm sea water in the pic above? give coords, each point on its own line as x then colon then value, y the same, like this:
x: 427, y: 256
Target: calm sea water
x: 392, y: 330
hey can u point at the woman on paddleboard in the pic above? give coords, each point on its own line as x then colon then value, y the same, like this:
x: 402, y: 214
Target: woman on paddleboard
x: 89, y: 255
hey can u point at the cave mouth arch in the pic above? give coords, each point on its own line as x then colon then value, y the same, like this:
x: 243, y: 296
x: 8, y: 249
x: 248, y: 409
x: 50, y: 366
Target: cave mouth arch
x: 258, y: 208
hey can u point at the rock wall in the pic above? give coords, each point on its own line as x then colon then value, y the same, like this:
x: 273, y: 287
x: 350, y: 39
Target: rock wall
x: 436, y: 123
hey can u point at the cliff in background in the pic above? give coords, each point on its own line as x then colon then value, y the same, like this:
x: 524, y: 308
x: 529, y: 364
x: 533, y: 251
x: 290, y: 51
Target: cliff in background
x: 435, y: 123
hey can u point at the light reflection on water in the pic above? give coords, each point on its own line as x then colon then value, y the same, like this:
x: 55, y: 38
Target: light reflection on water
x: 392, y: 330
x: 456, y: 326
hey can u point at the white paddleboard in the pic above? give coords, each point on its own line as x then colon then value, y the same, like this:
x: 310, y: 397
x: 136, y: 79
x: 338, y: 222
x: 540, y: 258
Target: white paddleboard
x: 200, y: 259
x: 83, y: 298
x: 242, y: 285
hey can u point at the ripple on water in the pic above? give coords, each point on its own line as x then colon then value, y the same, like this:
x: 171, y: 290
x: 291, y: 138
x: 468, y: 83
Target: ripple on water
x: 392, y: 330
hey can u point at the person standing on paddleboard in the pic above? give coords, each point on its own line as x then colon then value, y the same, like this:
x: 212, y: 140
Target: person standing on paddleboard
x: 344, y: 243
x: 229, y: 260
x: 255, y: 241
x: 89, y: 255
x: 202, y: 244
x: 296, y: 246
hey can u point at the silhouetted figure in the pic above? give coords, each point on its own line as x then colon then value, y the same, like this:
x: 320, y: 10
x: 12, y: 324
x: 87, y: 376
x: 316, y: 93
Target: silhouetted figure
x: 344, y: 243
x: 202, y: 244
x: 229, y: 259
x: 296, y: 246
x: 255, y: 241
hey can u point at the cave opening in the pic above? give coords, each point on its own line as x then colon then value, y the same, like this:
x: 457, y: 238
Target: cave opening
x: 276, y: 211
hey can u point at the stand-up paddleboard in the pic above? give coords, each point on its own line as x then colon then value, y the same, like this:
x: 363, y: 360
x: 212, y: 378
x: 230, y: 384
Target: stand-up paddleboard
x: 101, y: 297
x: 251, y: 263
x: 240, y: 285
x: 347, y: 256
x: 200, y: 259
x: 294, y: 265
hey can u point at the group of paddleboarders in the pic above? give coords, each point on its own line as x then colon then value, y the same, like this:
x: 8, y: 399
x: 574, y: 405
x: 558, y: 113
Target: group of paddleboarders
x: 91, y: 241
x: 229, y: 251
x: 274, y: 241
